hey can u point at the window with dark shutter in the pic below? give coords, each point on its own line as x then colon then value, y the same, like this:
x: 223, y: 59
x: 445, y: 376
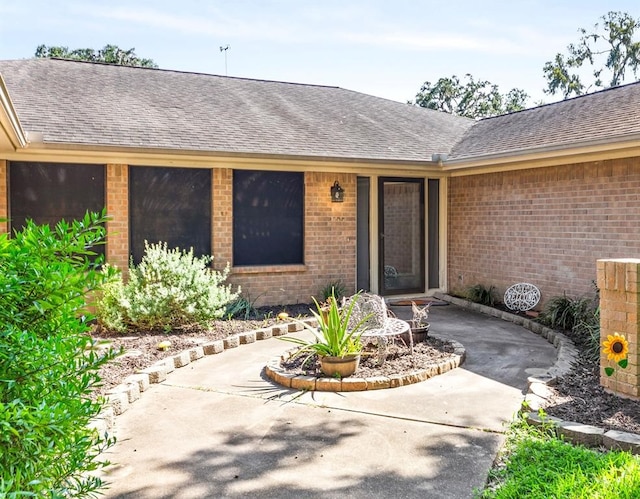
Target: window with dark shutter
x: 50, y: 192
x: 268, y: 218
x: 171, y: 205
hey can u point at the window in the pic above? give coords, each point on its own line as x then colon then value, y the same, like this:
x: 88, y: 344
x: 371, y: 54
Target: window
x: 268, y: 211
x: 171, y: 205
x: 50, y: 192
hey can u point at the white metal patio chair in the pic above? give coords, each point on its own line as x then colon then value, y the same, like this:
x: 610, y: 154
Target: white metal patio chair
x: 381, y: 325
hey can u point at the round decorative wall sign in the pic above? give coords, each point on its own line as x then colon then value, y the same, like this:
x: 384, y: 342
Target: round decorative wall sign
x: 522, y: 296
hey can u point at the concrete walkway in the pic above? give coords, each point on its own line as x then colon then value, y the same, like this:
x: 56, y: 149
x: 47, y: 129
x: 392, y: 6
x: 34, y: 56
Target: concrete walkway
x: 217, y: 428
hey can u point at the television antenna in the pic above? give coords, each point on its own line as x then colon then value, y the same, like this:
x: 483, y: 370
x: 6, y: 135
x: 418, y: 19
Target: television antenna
x: 224, y: 49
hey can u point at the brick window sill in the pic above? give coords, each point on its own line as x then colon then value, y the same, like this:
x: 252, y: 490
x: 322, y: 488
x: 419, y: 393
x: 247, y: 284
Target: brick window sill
x: 269, y: 269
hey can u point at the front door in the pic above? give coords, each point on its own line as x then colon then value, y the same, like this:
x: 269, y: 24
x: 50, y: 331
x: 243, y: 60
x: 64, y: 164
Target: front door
x: 402, y: 241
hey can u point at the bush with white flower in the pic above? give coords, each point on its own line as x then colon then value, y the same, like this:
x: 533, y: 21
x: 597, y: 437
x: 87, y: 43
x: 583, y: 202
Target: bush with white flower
x: 169, y: 289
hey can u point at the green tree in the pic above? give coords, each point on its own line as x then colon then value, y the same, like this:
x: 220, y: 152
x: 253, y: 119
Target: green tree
x: 47, y: 364
x: 612, y: 49
x: 110, y: 54
x: 472, y: 99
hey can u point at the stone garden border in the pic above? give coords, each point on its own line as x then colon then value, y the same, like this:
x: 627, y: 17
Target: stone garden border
x: 276, y: 373
x: 120, y: 397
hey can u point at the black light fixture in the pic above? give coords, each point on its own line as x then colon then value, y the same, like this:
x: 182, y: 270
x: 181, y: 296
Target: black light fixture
x: 337, y: 193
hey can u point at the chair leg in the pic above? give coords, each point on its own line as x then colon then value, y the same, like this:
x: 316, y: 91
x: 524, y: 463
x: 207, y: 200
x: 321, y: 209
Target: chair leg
x: 382, y: 344
x: 410, y: 341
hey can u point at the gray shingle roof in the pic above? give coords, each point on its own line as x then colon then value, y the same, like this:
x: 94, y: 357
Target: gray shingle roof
x: 600, y: 116
x: 94, y: 104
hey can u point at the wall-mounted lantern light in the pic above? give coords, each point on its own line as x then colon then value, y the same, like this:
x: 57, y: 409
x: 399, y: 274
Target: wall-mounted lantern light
x: 337, y: 193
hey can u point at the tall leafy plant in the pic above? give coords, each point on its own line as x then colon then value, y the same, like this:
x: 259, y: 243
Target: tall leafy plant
x: 47, y: 365
x: 334, y: 336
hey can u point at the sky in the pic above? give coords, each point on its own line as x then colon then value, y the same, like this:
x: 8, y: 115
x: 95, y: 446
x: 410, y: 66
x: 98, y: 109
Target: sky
x: 386, y: 48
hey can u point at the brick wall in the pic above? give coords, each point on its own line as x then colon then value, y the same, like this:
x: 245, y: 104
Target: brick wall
x: 118, y: 209
x: 329, y: 242
x: 4, y: 210
x: 546, y: 226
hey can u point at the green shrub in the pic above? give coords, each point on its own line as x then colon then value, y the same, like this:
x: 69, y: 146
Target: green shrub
x: 563, y: 312
x: 579, y: 317
x: 170, y: 288
x: 47, y: 366
x: 587, y: 330
x: 240, y: 308
x: 110, y: 306
x: 481, y: 294
x: 336, y: 289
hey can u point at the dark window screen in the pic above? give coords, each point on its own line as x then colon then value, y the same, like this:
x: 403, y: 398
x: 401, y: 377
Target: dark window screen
x: 171, y: 205
x: 50, y: 192
x: 268, y: 212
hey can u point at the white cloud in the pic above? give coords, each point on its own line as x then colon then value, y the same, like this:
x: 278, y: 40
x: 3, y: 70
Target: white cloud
x: 436, y: 41
x: 213, y: 23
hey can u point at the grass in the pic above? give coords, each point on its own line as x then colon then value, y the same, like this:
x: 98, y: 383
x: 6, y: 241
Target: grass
x: 537, y: 464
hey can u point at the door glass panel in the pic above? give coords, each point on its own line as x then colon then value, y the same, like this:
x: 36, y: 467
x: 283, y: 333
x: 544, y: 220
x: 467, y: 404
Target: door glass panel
x: 433, y: 222
x: 402, y: 237
x: 363, y: 227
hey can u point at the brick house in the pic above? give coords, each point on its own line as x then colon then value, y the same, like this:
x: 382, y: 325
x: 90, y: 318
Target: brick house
x: 244, y: 169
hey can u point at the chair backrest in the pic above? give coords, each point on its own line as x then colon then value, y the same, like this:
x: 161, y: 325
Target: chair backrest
x: 367, y: 304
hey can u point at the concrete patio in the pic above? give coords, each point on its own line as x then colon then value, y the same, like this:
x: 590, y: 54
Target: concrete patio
x: 218, y: 428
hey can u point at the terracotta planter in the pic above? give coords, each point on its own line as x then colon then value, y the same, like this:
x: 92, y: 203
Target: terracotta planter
x: 339, y: 366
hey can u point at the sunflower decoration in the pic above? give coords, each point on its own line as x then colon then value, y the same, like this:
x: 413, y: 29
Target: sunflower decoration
x: 617, y: 348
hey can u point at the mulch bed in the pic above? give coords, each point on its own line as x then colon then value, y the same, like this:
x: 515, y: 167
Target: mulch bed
x: 399, y: 360
x: 579, y: 397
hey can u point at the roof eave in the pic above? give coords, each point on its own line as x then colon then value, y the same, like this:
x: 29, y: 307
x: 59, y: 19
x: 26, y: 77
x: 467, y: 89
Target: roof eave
x: 188, y: 157
x: 587, y: 150
x: 9, y: 122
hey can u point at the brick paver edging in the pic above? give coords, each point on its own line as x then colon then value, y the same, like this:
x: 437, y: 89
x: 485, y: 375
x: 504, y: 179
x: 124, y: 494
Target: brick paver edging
x: 120, y: 397
x: 577, y: 433
x: 276, y: 373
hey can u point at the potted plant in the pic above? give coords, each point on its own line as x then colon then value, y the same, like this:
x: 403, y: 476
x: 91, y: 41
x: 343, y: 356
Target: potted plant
x: 335, y: 341
x: 419, y: 324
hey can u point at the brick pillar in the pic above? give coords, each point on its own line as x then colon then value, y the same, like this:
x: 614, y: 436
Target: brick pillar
x: 118, y: 211
x: 619, y: 305
x: 222, y: 217
x: 4, y: 196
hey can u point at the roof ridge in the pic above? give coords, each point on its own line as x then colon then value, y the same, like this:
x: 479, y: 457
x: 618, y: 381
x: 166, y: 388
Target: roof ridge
x: 570, y: 99
x: 195, y: 73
